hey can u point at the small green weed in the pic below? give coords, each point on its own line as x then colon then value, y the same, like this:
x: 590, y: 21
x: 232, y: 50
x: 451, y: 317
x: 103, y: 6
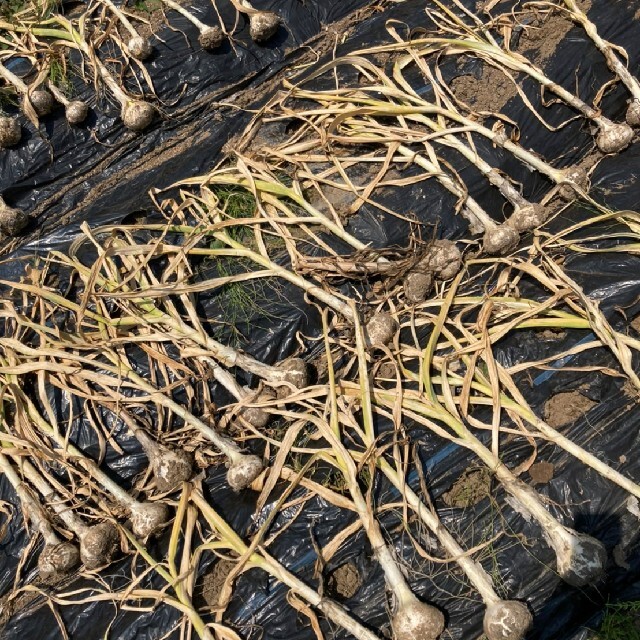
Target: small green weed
x: 148, y: 6
x: 7, y: 98
x: 236, y: 203
x: 59, y: 76
x: 621, y: 622
x: 9, y: 8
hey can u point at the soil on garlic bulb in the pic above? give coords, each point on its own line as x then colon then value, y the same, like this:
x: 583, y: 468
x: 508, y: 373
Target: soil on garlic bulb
x: 417, y: 621
x: 140, y: 48
x: 211, y: 39
x: 58, y: 559
x: 76, y: 112
x: 500, y: 240
x: 380, y: 330
x: 148, y: 517
x: 99, y: 545
x: 443, y: 259
x: 12, y: 220
x: 507, y: 620
x: 10, y: 132
x: 263, y: 26
x: 417, y: 285
x: 633, y: 113
x: 171, y: 468
x: 138, y: 115
x: 296, y: 373
x: 42, y: 102
x: 254, y: 415
x: 528, y: 217
x: 243, y: 472
x: 614, y: 138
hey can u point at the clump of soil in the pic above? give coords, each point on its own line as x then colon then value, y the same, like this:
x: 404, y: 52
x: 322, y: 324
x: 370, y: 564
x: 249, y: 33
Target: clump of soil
x: 345, y: 201
x: 542, y: 35
x: 214, y: 580
x: 566, y: 407
x: 551, y: 334
x: 469, y: 489
x: 541, y: 472
x: 490, y: 93
x: 344, y: 581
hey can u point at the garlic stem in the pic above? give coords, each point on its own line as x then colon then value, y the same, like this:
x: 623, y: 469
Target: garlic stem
x: 147, y: 517
x: 137, y: 115
x: 137, y: 46
x: 124, y: 20
x: 75, y: 110
x: 334, y: 611
x: 57, y: 556
x: 98, y: 543
x: 39, y: 99
x: 612, y: 137
x: 606, y: 48
x: 210, y: 37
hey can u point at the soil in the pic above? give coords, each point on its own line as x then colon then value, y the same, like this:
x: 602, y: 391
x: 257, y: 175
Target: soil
x: 344, y: 581
x: 539, y: 40
x: 213, y: 581
x: 473, y: 486
x: 567, y: 407
x: 489, y: 93
x: 152, y: 12
x: 551, y: 334
x: 541, y: 472
x: 542, y: 35
x: 10, y: 603
x: 343, y: 200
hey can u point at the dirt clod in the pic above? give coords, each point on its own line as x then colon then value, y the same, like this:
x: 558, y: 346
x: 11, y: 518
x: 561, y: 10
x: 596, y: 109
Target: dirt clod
x: 214, y: 580
x: 469, y: 489
x: 566, y: 407
x: 541, y: 472
x: 345, y: 581
x: 551, y: 334
x: 543, y: 35
x: 417, y: 286
x: 489, y: 93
